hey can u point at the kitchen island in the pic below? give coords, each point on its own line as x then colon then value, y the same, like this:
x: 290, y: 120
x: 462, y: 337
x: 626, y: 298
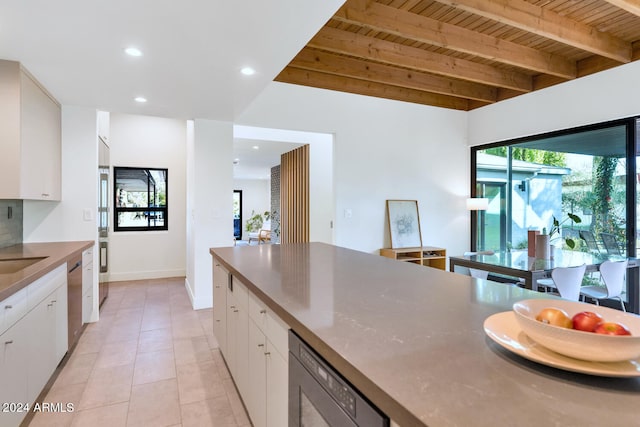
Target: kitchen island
x: 411, y: 339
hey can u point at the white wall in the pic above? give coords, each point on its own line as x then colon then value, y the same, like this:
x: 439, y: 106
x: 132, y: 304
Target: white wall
x: 601, y: 97
x: 143, y: 141
x: 256, y: 197
x: 65, y: 220
x: 382, y: 150
x: 210, y: 164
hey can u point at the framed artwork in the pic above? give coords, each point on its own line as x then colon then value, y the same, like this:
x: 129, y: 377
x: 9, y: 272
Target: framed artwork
x: 404, y: 224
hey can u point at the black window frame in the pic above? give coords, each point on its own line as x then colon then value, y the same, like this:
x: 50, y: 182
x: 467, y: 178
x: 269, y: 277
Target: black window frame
x: 117, y: 209
x: 632, y: 125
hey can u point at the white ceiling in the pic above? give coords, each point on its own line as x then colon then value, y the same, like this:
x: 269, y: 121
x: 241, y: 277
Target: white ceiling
x: 193, y: 50
x: 257, y: 163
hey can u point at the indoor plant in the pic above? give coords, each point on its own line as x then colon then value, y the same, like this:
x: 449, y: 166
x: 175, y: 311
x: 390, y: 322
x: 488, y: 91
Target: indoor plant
x: 555, y: 228
x: 255, y: 222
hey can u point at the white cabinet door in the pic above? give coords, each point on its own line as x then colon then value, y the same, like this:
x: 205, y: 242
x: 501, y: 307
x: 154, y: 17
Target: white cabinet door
x: 220, y: 281
x: 238, y: 334
x: 87, y: 286
x: 40, y: 169
x: 277, y: 388
x: 41, y: 322
x: 13, y: 371
x: 256, y: 398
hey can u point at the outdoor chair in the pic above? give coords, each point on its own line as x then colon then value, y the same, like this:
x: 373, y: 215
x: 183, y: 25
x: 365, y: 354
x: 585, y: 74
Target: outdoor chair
x: 610, y: 243
x: 613, y: 276
x: 590, y: 240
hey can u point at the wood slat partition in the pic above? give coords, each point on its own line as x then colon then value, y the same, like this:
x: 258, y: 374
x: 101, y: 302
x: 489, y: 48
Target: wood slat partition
x: 294, y: 196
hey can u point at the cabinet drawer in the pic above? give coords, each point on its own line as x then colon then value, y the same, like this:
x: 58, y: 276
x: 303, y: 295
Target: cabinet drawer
x: 240, y: 293
x: 270, y: 324
x: 12, y: 309
x: 277, y: 333
x: 87, y: 257
x: 257, y: 312
x: 41, y: 288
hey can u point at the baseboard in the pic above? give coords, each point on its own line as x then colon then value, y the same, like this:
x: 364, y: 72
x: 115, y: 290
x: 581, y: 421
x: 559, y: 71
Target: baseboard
x: 196, y: 303
x: 143, y: 275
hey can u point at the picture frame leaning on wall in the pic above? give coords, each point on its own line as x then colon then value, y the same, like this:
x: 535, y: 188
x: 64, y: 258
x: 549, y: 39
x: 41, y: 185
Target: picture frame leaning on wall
x: 403, y: 220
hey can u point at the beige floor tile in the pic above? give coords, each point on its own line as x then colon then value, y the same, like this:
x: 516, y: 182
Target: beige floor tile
x: 199, y: 381
x: 58, y: 406
x: 150, y: 360
x: 154, y: 404
x: 107, y: 386
x: 236, y: 403
x: 90, y: 341
x: 210, y: 412
x: 117, y: 353
x: 77, y: 369
x: 104, y: 416
x: 221, y: 366
x: 154, y: 366
x: 191, y: 350
x: 155, y: 321
x: 155, y: 340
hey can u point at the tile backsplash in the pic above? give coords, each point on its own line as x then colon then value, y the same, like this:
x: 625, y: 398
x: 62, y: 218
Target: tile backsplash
x: 10, y: 222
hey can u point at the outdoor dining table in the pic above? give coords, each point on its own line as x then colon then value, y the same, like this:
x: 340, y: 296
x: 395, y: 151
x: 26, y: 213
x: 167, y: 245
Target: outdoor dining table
x: 518, y: 264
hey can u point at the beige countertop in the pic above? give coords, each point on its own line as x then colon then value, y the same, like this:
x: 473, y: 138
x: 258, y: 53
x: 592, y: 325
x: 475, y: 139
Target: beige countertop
x: 411, y: 339
x: 55, y: 254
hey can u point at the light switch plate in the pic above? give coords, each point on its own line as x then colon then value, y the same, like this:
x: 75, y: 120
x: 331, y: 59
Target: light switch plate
x: 86, y: 214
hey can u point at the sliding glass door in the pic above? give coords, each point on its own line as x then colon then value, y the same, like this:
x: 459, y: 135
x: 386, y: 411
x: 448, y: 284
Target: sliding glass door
x: 588, y: 172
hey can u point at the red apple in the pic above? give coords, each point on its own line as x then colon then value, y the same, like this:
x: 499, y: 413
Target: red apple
x: 586, y: 321
x: 554, y: 316
x: 611, y: 328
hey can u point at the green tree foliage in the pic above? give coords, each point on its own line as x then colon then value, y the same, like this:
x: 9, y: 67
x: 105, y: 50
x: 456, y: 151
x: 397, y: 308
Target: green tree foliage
x: 605, y: 219
x: 550, y: 158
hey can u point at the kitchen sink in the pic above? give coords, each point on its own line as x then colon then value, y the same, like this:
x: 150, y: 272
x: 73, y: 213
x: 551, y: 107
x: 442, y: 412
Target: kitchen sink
x: 13, y: 265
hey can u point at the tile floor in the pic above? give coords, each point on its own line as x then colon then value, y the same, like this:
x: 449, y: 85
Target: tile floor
x: 151, y: 360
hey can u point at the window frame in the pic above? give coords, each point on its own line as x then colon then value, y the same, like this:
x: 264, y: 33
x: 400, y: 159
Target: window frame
x: 632, y: 125
x: 120, y: 209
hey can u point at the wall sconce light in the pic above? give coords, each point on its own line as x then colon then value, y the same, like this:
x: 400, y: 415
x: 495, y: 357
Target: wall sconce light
x: 477, y: 204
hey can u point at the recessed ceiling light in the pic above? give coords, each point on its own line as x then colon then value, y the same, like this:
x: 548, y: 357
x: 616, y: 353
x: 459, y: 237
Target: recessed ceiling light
x: 255, y: 147
x: 248, y: 71
x: 133, y: 51
x: 140, y: 99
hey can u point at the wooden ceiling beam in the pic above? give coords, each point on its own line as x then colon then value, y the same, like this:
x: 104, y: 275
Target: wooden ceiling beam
x: 330, y: 63
x: 546, y: 23
x: 409, y: 25
x: 631, y: 6
x: 361, y: 87
x: 371, y: 48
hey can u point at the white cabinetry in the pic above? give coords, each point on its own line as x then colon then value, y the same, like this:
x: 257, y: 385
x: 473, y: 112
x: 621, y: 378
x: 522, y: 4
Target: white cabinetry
x: 254, y: 343
x: 268, y: 334
x: 13, y: 366
x: 103, y: 126
x: 30, y: 131
x: 221, y: 279
x: 87, y: 285
x: 34, y: 343
x: 238, y: 334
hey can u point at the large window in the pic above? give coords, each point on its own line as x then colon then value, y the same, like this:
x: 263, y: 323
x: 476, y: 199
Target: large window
x: 589, y: 172
x: 140, y: 199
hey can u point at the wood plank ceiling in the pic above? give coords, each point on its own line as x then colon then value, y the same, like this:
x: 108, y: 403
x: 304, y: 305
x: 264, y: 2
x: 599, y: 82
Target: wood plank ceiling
x: 464, y: 54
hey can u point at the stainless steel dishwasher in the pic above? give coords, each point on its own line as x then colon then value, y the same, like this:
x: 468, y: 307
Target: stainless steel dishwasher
x: 74, y: 298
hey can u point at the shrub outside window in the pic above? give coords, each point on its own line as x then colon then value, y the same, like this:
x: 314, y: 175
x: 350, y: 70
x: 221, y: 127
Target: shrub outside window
x: 140, y: 199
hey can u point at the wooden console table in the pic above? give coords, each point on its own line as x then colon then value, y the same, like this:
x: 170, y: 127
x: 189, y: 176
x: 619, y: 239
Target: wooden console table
x: 429, y: 256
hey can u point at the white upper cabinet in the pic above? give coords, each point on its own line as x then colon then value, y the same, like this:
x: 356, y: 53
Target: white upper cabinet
x: 30, y: 137
x: 103, y: 126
